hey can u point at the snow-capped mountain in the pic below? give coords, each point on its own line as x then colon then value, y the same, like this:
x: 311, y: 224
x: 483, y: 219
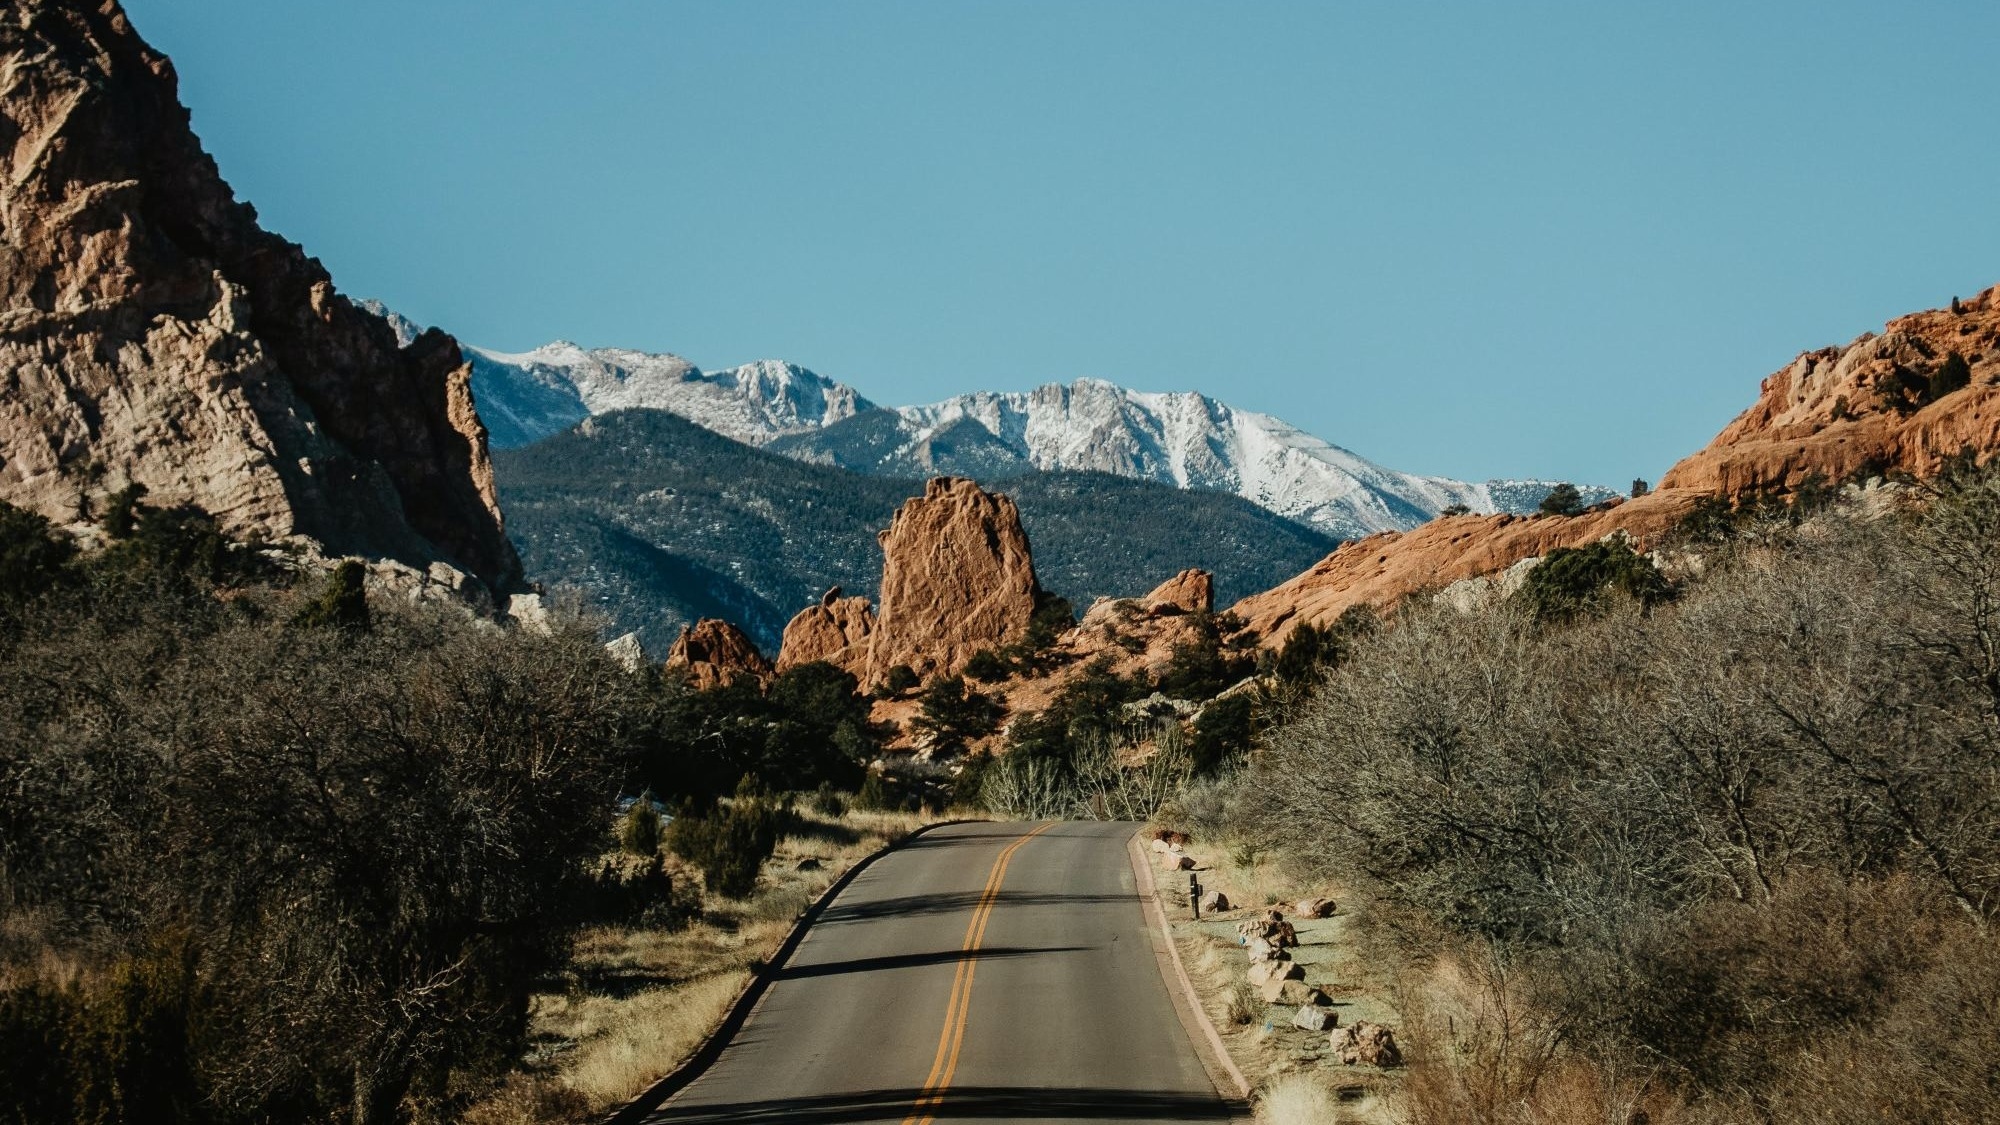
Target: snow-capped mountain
x: 527, y: 396
x: 1186, y: 439
x: 524, y: 397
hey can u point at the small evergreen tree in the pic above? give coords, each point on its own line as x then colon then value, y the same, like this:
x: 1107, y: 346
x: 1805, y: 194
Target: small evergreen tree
x: 954, y: 713
x: 342, y: 603
x: 1571, y: 581
x: 1640, y: 487
x: 639, y: 831
x: 1562, y: 500
x: 987, y: 667
x: 1222, y: 734
x: 901, y: 678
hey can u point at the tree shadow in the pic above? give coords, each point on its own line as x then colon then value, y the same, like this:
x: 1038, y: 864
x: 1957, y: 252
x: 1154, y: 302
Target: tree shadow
x: 910, y: 906
x: 1089, y: 1103
x: 913, y: 960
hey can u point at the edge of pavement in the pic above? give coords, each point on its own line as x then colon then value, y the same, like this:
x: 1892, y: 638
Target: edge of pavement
x: 1187, y: 1002
x: 692, y: 1067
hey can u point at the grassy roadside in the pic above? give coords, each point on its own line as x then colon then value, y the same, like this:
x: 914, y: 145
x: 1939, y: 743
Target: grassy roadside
x: 636, y: 1001
x: 1294, y: 1076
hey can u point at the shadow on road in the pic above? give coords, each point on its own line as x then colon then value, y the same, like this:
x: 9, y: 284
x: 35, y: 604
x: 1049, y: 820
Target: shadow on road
x: 907, y: 906
x: 911, y: 960
x: 1088, y: 1104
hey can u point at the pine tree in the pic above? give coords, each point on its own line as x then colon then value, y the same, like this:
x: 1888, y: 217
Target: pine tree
x: 1562, y: 500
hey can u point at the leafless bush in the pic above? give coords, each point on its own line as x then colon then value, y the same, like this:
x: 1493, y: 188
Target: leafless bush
x: 363, y: 844
x: 1713, y: 843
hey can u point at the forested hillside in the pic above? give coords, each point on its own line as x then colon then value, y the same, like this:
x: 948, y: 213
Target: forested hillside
x: 662, y: 521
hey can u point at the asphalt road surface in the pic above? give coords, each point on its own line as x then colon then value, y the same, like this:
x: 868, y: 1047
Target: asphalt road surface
x: 982, y: 972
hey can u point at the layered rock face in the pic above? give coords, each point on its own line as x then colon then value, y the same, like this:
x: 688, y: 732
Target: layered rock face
x: 713, y: 653
x: 838, y: 631
x: 957, y: 577
x: 1924, y: 390
x: 1190, y: 591
x: 152, y: 333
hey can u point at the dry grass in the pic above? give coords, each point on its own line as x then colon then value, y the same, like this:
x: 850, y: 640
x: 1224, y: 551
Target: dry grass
x: 622, y: 1053
x: 1486, y: 1054
x: 636, y: 1002
x: 1298, y: 1099
x: 1298, y: 1081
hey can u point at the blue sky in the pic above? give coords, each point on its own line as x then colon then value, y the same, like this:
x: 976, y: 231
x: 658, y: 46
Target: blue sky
x: 1473, y: 239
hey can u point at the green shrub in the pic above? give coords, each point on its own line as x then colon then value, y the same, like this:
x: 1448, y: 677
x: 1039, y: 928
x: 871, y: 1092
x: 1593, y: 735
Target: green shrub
x: 826, y: 801
x: 987, y: 667
x: 954, y: 713
x: 639, y: 831
x: 902, y: 678
x: 342, y: 602
x: 33, y: 555
x: 1571, y: 580
x: 1562, y: 500
x: 729, y: 846
x: 1222, y: 734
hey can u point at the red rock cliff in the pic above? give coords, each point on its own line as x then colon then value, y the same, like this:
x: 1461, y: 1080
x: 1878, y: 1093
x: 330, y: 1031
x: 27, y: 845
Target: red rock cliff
x: 151, y: 332
x: 957, y: 577
x: 1897, y: 401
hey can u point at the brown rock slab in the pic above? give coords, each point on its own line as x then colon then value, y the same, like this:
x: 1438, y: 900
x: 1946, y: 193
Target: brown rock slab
x: 1262, y: 971
x: 713, y: 653
x: 1312, y: 1017
x: 1365, y: 1044
x: 1190, y: 591
x: 838, y: 631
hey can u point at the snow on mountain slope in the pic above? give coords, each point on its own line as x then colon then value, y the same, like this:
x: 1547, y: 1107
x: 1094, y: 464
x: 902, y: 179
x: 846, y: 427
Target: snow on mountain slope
x: 556, y: 385
x: 1182, y: 438
x: 524, y: 397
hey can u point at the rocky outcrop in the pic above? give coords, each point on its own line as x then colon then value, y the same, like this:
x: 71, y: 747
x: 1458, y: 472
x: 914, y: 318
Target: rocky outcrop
x: 1924, y: 390
x: 1190, y: 591
x: 1881, y: 402
x: 838, y: 631
x: 151, y: 333
x: 712, y: 653
x: 957, y: 578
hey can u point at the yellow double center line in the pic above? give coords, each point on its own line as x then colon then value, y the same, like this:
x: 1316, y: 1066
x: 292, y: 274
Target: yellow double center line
x: 949, y: 1043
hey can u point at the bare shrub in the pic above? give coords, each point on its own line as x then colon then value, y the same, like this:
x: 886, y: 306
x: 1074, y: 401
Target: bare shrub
x: 1707, y: 853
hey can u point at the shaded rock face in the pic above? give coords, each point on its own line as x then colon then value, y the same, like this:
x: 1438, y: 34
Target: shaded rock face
x: 152, y: 333
x: 838, y: 631
x: 1881, y: 403
x: 1190, y: 591
x: 957, y: 578
x: 713, y: 653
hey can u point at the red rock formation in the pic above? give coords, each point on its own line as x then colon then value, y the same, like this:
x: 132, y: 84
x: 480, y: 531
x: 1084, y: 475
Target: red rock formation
x: 1832, y: 414
x: 1190, y: 591
x: 838, y: 630
x: 956, y: 578
x: 152, y: 333
x: 712, y: 653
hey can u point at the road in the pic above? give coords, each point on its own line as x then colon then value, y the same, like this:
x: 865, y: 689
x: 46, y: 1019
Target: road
x: 982, y: 972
